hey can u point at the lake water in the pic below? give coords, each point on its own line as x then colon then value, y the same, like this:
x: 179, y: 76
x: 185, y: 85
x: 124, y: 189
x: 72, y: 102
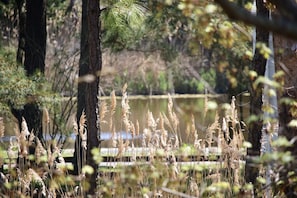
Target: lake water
x: 184, y: 107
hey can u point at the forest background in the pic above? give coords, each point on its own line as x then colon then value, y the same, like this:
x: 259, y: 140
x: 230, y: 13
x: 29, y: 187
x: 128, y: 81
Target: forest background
x: 155, y: 47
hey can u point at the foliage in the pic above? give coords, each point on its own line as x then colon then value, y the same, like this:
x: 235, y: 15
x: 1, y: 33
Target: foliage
x: 6, y: 24
x: 156, y: 83
x: 15, y: 87
x: 188, y: 84
x: 122, y: 23
x: 158, y: 176
x: 199, y: 29
x: 166, y: 30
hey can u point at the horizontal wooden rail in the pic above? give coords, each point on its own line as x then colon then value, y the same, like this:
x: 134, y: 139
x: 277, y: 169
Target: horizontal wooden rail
x: 144, y: 155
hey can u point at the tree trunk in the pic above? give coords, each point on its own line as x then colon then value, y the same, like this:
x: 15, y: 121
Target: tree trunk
x: 286, y: 61
x: 90, y: 64
x: 92, y: 89
x: 83, y: 70
x: 35, y: 46
x: 255, y: 127
x: 35, y: 49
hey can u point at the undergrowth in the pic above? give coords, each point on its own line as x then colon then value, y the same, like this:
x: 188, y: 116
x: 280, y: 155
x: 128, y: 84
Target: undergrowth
x: 158, y: 165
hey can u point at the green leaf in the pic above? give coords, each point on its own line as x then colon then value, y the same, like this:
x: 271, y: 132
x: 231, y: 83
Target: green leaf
x: 210, y: 8
x: 88, y: 169
x: 247, y: 144
x: 281, y: 141
x: 292, y: 123
x: 212, y: 105
x: 253, y: 74
x: 261, y: 180
x: 96, y: 155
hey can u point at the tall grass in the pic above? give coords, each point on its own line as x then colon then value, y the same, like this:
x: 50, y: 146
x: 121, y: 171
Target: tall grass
x: 160, y: 164
x: 166, y: 172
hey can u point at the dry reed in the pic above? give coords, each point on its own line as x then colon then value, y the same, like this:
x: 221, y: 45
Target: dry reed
x: 156, y: 176
x: 2, y: 127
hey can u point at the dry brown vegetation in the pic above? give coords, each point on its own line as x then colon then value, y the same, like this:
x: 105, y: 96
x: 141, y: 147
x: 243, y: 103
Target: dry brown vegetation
x: 163, y: 166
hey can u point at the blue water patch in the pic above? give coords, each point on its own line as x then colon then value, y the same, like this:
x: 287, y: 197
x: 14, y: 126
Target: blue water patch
x: 103, y: 136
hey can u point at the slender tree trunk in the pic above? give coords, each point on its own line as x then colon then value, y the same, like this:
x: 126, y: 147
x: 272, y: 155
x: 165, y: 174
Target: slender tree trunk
x: 83, y: 70
x: 92, y: 101
x: 255, y: 128
x: 90, y: 64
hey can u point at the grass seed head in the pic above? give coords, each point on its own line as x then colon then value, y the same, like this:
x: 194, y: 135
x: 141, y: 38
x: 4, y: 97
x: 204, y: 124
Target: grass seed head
x: 82, y: 124
x: 24, y: 130
x: 45, y: 116
x: 103, y: 111
x: 2, y: 127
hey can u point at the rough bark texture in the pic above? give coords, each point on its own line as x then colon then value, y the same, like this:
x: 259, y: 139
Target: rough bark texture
x: 286, y: 60
x: 92, y: 89
x: 83, y: 70
x: 90, y: 64
x: 258, y: 65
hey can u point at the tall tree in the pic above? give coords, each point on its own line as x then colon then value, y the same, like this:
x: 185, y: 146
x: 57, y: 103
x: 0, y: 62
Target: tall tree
x: 83, y: 71
x: 92, y: 88
x: 35, y: 45
x: 35, y: 50
x: 88, y: 91
x: 255, y: 127
x: 284, y: 23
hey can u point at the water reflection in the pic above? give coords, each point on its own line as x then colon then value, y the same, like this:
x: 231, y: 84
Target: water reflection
x: 184, y: 107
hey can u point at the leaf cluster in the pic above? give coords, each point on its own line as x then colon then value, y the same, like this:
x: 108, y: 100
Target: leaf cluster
x: 16, y: 88
x: 122, y: 23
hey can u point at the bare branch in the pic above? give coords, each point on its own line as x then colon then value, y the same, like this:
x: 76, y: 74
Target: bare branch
x: 287, y: 8
x: 278, y: 25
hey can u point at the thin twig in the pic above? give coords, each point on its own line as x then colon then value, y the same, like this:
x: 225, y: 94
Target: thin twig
x: 174, y: 192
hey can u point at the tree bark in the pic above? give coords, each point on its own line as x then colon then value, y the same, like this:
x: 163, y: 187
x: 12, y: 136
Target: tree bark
x: 35, y: 49
x: 255, y: 127
x: 282, y: 25
x: 35, y: 46
x: 88, y: 92
x: 286, y: 61
x: 83, y: 70
x: 92, y: 89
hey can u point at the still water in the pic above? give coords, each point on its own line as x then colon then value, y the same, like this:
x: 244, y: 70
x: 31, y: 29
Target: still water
x: 184, y: 106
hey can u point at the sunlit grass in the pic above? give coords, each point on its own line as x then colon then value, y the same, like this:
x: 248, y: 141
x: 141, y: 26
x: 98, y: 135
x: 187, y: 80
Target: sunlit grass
x: 162, y: 164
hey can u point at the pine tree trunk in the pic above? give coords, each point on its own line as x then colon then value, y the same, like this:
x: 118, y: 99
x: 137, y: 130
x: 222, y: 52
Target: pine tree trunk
x: 83, y: 70
x: 255, y: 127
x: 35, y: 45
x: 92, y: 89
x: 35, y: 49
x: 90, y: 64
x: 286, y: 61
